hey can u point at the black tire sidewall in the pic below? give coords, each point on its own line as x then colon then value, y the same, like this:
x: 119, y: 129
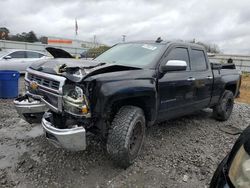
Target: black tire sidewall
x: 121, y: 130
x: 220, y: 111
x: 137, y: 119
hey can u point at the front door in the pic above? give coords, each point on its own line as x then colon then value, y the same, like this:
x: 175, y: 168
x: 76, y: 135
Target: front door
x: 176, y: 89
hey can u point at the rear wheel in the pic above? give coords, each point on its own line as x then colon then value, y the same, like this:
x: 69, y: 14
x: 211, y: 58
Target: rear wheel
x: 224, y: 108
x: 126, y: 135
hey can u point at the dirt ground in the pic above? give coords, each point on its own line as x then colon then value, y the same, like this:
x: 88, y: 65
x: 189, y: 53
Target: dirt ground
x: 177, y: 153
x: 245, y: 89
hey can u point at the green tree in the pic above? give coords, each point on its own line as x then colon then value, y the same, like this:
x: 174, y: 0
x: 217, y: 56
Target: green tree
x: 24, y: 37
x: 4, y: 33
x: 31, y: 37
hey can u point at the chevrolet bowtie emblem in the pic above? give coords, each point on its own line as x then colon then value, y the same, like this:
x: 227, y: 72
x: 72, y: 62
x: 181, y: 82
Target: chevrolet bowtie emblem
x: 33, y: 85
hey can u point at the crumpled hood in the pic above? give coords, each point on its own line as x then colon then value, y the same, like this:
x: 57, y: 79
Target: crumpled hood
x: 77, y: 69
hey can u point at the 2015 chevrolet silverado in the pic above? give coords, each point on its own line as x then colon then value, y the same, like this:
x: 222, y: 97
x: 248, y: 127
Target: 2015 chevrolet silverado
x: 127, y: 88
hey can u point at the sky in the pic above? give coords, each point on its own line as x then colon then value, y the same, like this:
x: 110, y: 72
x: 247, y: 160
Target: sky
x: 225, y: 23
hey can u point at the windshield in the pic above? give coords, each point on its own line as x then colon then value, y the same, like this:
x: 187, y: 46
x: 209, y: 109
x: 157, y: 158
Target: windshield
x: 131, y: 54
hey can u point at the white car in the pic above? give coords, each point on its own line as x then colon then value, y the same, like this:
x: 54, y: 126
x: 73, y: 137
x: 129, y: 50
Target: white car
x: 19, y: 60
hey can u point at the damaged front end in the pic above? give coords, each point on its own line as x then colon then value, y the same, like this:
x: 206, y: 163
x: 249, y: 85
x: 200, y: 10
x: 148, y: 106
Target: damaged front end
x: 58, y: 95
x: 62, y: 107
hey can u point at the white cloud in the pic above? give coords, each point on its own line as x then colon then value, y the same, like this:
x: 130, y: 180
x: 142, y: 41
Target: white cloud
x: 225, y: 22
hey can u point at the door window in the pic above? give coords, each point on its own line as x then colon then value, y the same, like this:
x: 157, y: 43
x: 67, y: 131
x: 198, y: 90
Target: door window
x: 18, y: 54
x: 198, y: 60
x: 33, y: 54
x: 179, y: 54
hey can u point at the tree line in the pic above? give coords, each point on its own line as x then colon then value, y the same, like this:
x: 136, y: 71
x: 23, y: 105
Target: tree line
x: 22, y: 37
x: 31, y: 37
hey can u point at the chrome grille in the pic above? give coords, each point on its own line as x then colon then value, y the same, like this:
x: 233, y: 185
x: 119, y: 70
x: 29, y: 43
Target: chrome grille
x: 49, y: 88
x: 44, y: 81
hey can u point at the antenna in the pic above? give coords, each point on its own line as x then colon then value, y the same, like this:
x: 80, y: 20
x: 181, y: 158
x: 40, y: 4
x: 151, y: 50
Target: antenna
x: 94, y: 40
x: 123, y: 38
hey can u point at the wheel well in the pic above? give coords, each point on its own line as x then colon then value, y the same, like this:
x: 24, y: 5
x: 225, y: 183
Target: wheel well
x: 140, y: 102
x: 231, y: 87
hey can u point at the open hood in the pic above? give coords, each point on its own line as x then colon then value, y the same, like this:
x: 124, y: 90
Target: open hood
x: 58, y: 53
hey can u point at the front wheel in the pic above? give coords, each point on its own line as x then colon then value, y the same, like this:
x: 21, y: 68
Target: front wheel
x: 224, y: 108
x: 126, y: 135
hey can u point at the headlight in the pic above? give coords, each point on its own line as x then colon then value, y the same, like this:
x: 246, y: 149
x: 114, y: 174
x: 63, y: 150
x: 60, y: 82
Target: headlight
x: 239, y: 172
x: 75, y: 101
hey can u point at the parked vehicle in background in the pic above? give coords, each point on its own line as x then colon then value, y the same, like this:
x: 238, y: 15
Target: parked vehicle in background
x: 19, y: 60
x: 233, y: 171
x: 121, y: 92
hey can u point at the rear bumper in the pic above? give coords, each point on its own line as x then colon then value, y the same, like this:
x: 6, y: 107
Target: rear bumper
x: 73, y: 139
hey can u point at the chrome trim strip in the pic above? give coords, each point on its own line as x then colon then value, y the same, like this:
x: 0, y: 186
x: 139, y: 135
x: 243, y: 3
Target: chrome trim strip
x: 34, y: 95
x: 43, y: 100
x: 50, y: 93
x: 41, y: 86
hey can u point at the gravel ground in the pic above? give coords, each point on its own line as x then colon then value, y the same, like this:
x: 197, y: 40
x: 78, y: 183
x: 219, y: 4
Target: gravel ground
x: 177, y: 153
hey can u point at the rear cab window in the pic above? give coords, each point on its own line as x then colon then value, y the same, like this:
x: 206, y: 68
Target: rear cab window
x: 198, y: 60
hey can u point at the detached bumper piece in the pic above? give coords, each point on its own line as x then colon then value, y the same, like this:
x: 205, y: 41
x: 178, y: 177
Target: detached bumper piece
x: 73, y: 139
x: 29, y: 109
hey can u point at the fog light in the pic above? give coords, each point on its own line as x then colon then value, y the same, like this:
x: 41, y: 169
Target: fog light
x: 84, y: 109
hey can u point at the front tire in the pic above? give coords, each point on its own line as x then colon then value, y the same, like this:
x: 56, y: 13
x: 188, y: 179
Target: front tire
x: 224, y: 108
x: 126, y: 135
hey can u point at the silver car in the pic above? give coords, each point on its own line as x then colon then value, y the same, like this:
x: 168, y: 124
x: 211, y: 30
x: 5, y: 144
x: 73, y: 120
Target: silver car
x: 19, y: 60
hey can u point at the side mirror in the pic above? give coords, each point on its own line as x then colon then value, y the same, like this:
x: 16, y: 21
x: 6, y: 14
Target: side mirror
x: 7, y: 57
x: 174, y: 65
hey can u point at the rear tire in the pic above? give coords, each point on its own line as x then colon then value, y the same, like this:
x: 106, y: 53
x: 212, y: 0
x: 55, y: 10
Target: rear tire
x: 126, y: 136
x: 224, y: 108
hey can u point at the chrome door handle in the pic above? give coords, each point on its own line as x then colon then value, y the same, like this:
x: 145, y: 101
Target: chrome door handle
x: 209, y: 77
x: 191, y: 79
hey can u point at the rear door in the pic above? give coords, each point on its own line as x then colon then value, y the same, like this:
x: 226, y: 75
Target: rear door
x: 203, y: 78
x: 176, y: 88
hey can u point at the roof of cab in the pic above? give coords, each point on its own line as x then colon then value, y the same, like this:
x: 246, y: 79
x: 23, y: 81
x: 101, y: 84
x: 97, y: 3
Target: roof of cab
x: 194, y: 45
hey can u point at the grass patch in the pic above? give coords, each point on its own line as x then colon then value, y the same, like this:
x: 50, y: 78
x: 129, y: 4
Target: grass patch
x: 245, y: 89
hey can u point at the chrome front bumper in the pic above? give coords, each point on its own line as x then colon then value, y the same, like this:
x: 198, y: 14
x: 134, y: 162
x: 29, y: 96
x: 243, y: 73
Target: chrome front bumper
x: 30, y: 110
x: 24, y: 106
x: 73, y: 139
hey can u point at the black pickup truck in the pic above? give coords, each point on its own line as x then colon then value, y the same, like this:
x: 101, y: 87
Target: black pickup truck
x: 124, y: 90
